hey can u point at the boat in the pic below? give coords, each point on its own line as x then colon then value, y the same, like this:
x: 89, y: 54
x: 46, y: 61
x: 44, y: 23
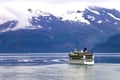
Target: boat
x: 81, y: 57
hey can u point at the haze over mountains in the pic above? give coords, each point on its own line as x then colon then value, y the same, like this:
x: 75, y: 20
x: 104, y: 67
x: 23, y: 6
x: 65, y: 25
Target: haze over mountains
x: 41, y: 31
x: 111, y: 45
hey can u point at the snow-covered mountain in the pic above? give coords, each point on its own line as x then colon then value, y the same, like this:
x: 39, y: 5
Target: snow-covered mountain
x: 89, y: 16
x: 58, y: 33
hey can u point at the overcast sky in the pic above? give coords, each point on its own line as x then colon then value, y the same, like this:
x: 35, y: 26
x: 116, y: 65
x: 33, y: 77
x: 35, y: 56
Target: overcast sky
x: 65, y: 1
x: 104, y: 3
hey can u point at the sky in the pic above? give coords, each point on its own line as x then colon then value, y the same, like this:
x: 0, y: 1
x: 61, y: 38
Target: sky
x: 15, y: 9
x: 63, y: 1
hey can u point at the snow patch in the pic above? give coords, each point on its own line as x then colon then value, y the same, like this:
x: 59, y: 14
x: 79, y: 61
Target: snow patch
x: 74, y: 16
x: 106, y: 20
x: 91, y: 17
x: 93, y: 11
x: 5, y: 30
x: 37, y: 19
x: 40, y: 13
x: 115, y: 23
x: 113, y: 16
x: 34, y: 27
x: 100, y: 21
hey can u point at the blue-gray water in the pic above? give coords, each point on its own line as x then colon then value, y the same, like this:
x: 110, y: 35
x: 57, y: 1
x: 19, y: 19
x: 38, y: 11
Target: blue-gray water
x: 54, y: 66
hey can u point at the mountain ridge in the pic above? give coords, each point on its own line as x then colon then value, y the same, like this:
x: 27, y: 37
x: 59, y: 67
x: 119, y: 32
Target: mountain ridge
x: 60, y: 35
x: 111, y: 45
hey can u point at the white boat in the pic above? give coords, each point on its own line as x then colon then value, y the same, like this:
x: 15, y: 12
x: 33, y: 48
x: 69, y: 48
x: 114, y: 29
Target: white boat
x: 81, y: 57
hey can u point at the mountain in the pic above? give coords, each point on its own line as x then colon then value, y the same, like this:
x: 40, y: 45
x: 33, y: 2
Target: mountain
x: 112, y: 45
x: 46, y: 32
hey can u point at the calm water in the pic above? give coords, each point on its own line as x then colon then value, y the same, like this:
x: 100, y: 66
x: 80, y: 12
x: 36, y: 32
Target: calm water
x: 55, y: 67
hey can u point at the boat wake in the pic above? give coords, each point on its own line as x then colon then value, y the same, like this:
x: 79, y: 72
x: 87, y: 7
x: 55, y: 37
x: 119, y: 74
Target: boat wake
x: 31, y: 60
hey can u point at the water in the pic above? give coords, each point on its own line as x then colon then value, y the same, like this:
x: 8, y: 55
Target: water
x: 55, y: 67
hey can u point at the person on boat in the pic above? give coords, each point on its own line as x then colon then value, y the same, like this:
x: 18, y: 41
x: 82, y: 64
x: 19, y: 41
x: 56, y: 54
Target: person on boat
x: 85, y: 50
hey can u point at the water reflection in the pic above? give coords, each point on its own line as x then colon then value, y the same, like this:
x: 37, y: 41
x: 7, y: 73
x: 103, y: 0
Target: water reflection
x: 95, y: 72
x: 80, y: 72
x: 61, y: 72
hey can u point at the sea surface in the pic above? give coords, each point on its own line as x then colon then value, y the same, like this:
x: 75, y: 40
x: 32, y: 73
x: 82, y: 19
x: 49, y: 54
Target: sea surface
x: 55, y: 66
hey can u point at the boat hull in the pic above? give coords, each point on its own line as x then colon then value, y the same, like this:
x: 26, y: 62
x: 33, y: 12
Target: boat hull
x: 81, y: 62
